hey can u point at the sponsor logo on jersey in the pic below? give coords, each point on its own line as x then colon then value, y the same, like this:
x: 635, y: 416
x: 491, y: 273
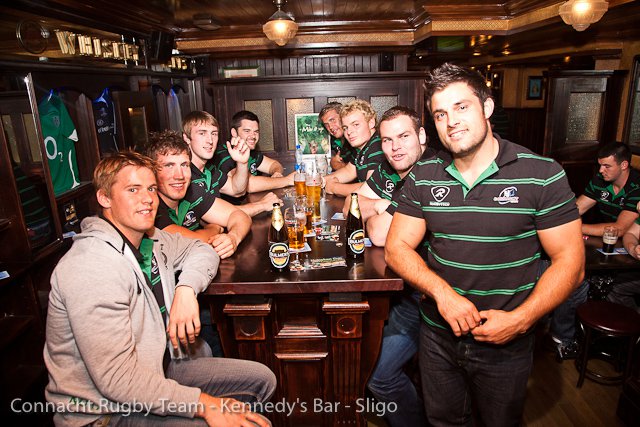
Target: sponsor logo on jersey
x: 439, y: 193
x: 189, y: 219
x: 389, y: 186
x: 508, y: 195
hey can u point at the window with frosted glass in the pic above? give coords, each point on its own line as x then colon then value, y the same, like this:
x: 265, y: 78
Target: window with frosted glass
x: 583, y: 120
x: 381, y: 104
x: 341, y: 99
x: 262, y: 109
x: 296, y: 106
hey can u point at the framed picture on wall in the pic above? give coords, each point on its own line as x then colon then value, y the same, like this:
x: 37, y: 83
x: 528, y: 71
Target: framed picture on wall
x: 534, y: 87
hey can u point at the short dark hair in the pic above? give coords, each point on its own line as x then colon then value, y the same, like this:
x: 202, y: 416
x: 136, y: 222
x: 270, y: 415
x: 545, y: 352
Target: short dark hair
x: 243, y: 115
x: 164, y: 143
x: 331, y: 106
x: 448, y: 73
x: 399, y: 110
x: 618, y: 150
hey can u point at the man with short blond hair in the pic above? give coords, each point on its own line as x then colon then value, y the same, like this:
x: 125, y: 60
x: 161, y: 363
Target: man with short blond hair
x: 359, y: 126
x: 114, y: 296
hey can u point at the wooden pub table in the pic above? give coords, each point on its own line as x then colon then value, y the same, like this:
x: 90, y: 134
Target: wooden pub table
x: 318, y: 330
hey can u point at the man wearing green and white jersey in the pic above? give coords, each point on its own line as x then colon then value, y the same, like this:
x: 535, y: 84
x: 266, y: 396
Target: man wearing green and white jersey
x: 59, y: 135
x: 491, y: 207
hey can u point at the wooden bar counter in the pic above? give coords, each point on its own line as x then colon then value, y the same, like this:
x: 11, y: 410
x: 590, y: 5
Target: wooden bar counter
x: 318, y: 330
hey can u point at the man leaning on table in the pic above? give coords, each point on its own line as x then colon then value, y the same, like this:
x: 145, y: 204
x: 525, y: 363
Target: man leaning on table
x: 626, y: 288
x: 266, y: 173
x: 490, y: 206
x: 614, y: 192
x: 106, y: 349
x: 359, y: 125
x: 404, y: 141
x: 200, y: 131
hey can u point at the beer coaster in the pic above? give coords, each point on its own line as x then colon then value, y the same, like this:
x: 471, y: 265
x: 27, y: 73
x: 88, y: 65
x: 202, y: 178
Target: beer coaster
x: 338, y: 215
x: 319, y: 222
x: 305, y: 248
x: 4, y: 274
x: 319, y: 263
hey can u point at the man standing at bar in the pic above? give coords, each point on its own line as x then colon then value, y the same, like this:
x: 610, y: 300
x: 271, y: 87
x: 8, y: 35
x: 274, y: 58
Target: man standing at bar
x: 491, y: 206
x: 404, y: 142
x: 342, y: 151
x: 359, y: 125
x: 107, y: 324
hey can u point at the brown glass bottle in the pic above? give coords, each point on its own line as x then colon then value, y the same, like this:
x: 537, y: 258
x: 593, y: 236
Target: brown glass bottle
x: 354, y: 231
x: 278, y: 241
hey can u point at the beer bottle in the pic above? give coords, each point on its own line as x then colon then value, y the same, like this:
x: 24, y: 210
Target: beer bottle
x: 354, y: 231
x: 278, y: 241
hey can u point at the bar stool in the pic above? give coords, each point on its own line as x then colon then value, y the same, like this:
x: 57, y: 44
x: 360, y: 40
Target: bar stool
x: 606, y: 319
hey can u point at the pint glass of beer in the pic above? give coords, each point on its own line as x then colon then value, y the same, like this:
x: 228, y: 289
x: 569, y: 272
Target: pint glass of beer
x: 295, y: 227
x: 314, y: 192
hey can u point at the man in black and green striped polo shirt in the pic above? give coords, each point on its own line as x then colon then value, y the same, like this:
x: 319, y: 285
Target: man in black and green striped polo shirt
x: 359, y: 125
x: 615, y: 192
x: 342, y: 152
x: 491, y: 207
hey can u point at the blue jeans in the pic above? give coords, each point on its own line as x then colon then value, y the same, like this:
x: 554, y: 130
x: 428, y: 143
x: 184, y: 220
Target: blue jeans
x: 244, y: 380
x: 389, y: 383
x: 461, y: 373
x: 625, y: 290
x: 563, y: 318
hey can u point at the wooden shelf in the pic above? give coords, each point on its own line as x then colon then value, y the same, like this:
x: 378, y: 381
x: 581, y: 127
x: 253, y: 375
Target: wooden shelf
x: 12, y: 327
x: 83, y: 188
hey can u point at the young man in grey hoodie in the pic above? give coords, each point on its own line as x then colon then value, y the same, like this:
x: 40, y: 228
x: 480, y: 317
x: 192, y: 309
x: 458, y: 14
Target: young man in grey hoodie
x: 113, y: 302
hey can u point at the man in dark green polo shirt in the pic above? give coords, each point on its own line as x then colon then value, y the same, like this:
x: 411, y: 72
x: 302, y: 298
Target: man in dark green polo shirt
x: 266, y: 173
x: 359, y: 125
x: 183, y: 207
x: 342, y: 152
x: 491, y: 207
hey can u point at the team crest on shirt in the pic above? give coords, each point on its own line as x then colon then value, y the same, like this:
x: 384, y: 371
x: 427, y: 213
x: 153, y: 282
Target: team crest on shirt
x: 253, y: 168
x: 439, y: 193
x: 189, y: 219
x: 508, y: 195
x: 604, y: 195
x: 389, y: 186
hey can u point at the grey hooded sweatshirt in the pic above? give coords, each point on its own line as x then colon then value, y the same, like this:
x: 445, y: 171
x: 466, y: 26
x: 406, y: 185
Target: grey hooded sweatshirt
x: 105, y: 334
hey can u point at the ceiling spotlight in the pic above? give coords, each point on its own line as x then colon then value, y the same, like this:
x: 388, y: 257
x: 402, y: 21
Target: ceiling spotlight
x: 281, y: 27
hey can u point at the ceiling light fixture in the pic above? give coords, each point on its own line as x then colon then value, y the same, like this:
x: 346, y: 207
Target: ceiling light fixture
x: 582, y: 13
x: 281, y: 27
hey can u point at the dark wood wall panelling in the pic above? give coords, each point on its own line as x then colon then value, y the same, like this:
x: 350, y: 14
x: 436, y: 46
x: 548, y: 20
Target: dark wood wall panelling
x: 312, y: 64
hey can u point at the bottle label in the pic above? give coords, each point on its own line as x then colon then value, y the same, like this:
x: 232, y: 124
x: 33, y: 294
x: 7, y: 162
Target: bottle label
x: 354, y: 208
x: 279, y: 254
x: 356, y: 241
x: 278, y: 222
